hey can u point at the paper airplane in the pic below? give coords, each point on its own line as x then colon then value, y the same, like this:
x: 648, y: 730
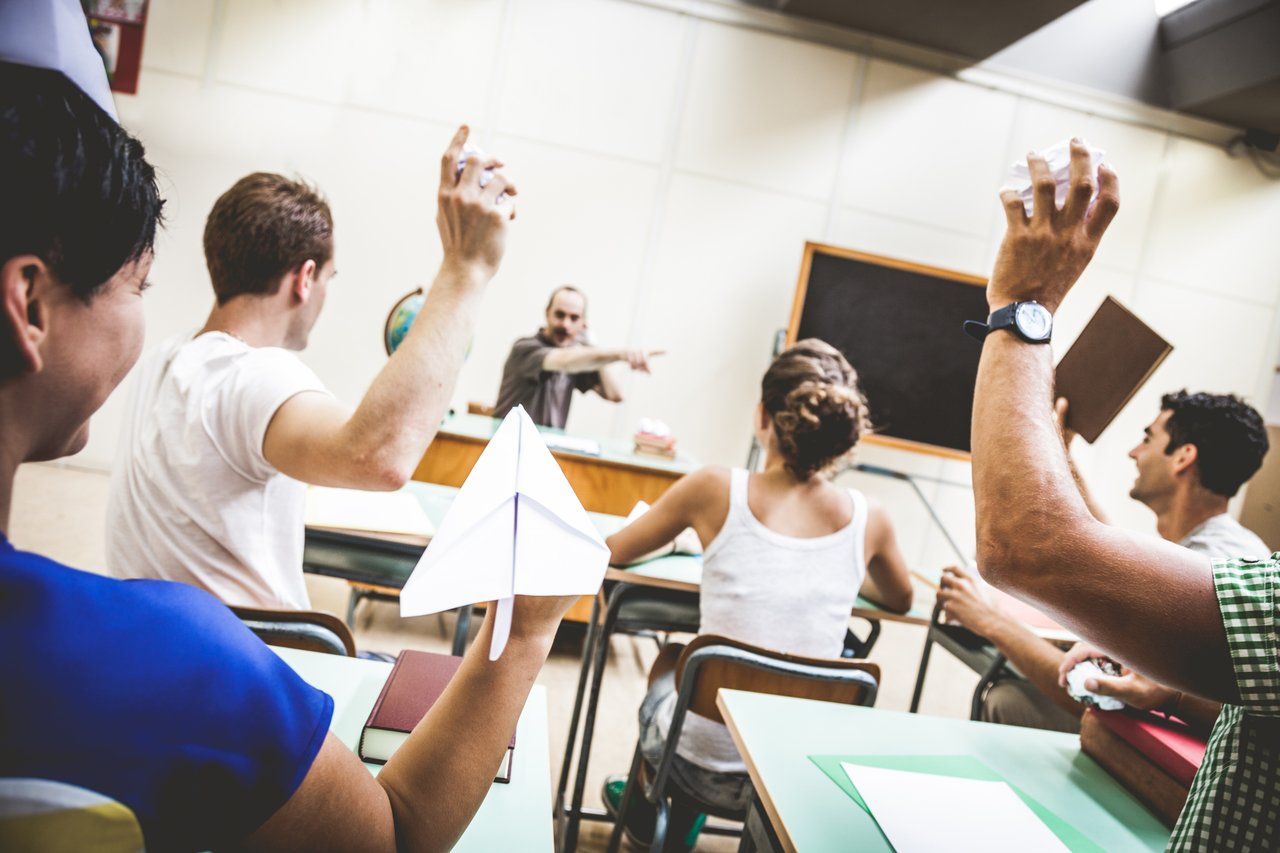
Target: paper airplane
x: 515, y: 528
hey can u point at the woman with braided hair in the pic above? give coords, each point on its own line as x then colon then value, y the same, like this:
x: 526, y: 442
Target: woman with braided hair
x: 786, y: 552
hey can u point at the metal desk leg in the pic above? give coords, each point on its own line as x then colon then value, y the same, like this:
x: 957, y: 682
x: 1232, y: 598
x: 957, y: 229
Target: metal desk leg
x: 989, y: 678
x: 354, y: 597
x: 462, y: 630
x: 569, y: 842
x: 588, y: 649
x: 924, y: 659
x: 758, y: 835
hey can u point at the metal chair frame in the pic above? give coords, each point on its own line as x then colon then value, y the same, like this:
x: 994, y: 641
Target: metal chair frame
x: 655, y: 792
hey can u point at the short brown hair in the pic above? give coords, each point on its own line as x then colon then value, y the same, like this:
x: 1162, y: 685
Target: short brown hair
x: 811, y: 393
x: 260, y: 229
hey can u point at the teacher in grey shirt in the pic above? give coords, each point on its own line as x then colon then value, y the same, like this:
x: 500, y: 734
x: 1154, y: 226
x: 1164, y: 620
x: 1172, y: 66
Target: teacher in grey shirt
x: 543, y: 369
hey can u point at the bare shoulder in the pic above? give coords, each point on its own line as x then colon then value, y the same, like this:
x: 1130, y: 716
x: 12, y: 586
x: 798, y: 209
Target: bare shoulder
x: 710, y: 479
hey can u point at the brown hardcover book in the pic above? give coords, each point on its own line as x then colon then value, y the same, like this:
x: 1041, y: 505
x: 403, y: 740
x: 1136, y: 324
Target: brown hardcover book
x: 1113, y: 357
x: 417, y: 680
x: 1156, y: 789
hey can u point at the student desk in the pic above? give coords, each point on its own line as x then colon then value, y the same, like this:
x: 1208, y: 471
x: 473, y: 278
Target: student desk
x: 805, y: 810
x: 514, y: 815
x: 610, y: 482
x: 660, y: 595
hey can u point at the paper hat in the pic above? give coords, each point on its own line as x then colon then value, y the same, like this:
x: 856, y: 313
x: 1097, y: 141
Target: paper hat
x: 53, y: 34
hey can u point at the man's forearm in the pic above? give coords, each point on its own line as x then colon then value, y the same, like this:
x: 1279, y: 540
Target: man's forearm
x: 578, y: 359
x: 1036, y: 658
x: 404, y: 406
x: 439, y: 777
x: 609, y: 387
x: 1023, y: 487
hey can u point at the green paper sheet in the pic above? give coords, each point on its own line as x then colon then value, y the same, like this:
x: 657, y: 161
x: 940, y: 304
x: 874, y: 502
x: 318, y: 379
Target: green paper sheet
x: 963, y: 766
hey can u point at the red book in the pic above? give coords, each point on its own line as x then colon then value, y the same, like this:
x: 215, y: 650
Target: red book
x: 1168, y: 744
x: 416, y: 681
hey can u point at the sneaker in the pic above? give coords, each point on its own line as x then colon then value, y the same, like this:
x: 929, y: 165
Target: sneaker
x: 639, y: 825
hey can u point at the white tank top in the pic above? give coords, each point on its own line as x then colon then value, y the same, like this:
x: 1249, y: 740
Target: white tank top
x: 784, y: 593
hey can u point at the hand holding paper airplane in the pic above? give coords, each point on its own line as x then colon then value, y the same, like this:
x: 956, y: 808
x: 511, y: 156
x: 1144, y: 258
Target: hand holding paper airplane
x: 515, y: 528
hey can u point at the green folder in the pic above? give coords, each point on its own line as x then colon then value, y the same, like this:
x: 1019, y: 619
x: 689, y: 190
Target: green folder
x: 962, y: 766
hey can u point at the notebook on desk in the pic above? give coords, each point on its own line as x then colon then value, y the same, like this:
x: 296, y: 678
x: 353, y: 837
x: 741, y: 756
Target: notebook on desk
x: 1114, y: 356
x: 417, y: 680
x: 374, y: 512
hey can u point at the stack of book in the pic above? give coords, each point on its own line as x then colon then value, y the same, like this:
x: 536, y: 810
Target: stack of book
x: 656, y: 444
x: 1152, y: 756
x: 417, y: 680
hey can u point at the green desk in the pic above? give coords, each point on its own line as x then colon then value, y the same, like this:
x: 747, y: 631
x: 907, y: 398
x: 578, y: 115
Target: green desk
x: 807, y: 811
x: 514, y: 816
x: 609, y: 481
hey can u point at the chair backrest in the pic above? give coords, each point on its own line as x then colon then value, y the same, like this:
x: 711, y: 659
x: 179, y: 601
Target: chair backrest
x: 309, y: 630
x: 477, y: 408
x: 723, y: 662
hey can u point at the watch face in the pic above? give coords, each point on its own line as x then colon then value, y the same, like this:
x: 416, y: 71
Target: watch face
x: 1034, y: 321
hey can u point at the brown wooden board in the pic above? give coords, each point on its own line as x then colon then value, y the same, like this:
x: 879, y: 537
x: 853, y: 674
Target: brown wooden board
x: 901, y: 326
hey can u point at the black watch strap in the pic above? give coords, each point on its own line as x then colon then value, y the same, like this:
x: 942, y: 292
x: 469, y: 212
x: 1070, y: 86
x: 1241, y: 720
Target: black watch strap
x: 1000, y: 318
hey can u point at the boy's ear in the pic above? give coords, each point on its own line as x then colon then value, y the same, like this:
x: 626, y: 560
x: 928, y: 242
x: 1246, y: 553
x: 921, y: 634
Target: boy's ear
x: 24, y: 314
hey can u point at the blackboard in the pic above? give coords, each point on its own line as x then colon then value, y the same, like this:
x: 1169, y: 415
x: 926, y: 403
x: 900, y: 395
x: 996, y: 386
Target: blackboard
x: 900, y: 326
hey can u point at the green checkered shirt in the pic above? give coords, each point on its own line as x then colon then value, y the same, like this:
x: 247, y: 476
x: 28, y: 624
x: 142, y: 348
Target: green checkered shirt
x: 1235, y: 798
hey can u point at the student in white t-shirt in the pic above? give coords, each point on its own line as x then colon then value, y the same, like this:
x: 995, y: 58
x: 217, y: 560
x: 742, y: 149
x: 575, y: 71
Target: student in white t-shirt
x: 226, y: 426
x: 786, y: 553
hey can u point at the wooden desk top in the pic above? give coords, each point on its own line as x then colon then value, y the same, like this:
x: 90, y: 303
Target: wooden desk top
x: 777, y: 734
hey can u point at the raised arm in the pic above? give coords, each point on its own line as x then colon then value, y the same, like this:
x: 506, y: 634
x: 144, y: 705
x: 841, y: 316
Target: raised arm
x: 1068, y: 436
x: 378, y: 445
x: 1148, y: 603
x: 699, y: 500
x: 888, y: 580
x: 426, y: 795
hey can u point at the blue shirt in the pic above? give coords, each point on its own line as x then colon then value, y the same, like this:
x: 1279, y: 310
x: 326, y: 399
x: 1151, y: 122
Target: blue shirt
x: 152, y: 694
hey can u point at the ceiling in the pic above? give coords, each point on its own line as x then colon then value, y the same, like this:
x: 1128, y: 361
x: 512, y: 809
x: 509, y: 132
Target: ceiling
x: 1215, y: 59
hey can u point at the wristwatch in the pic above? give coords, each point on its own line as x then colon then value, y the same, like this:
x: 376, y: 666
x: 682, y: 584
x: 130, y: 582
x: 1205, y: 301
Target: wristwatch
x: 1029, y: 320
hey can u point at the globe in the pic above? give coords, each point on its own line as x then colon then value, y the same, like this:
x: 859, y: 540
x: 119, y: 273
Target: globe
x: 401, y: 318
x: 402, y: 315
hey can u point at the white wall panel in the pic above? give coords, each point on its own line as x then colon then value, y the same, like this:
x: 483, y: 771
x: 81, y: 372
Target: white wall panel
x: 913, y: 241
x: 177, y: 35
x: 295, y: 47
x: 593, y: 74
x: 722, y: 283
x: 1215, y: 228
x: 765, y: 110
x: 429, y: 58
x: 928, y: 149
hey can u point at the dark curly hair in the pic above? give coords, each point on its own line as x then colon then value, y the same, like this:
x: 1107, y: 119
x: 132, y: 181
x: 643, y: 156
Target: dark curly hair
x: 1229, y: 436
x: 811, y: 393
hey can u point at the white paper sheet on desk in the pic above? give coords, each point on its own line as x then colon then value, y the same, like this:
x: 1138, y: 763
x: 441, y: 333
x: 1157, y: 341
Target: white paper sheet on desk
x: 923, y: 813
x: 515, y: 528
x: 377, y: 512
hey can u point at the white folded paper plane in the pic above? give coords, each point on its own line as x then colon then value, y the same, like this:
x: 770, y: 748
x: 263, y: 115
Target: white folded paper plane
x: 515, y: 528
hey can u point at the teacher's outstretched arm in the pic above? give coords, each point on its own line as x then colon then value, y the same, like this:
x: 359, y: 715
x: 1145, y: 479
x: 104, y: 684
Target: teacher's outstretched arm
x: 1148, y: 603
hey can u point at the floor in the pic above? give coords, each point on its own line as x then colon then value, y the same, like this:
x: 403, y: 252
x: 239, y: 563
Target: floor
x: 59, y: 511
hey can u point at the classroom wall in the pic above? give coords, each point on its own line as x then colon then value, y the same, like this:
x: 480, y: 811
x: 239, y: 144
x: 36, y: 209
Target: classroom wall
x: 673, y: 168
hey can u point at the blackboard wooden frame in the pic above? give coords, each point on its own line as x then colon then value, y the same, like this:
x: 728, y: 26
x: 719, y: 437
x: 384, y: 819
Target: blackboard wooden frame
x: 797, y: 312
